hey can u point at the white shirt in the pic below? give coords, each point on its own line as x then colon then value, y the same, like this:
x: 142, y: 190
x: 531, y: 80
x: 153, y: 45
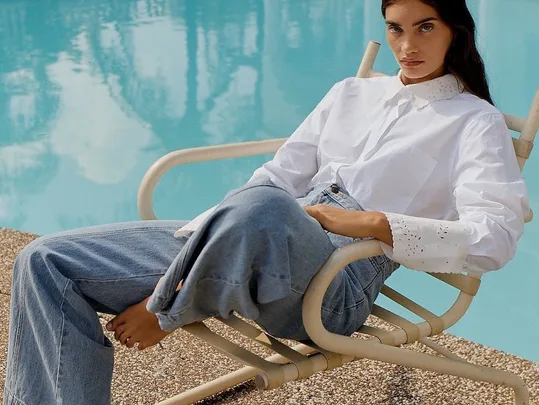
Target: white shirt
x: 436, y: 160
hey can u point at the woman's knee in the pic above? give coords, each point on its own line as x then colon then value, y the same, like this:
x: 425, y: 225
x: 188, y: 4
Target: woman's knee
x: 262, y: 207
x: 34, y: 257
x: 30, y: 250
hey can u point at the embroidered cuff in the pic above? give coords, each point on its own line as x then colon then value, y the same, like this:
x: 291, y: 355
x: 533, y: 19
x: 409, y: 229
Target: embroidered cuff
x: 428, y: 244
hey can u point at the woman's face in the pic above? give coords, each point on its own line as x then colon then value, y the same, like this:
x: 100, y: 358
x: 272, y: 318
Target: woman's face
x: 419, y: 40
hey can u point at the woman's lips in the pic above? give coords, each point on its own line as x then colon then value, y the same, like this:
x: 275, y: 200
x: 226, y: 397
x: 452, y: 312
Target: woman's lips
x: 411, y: 63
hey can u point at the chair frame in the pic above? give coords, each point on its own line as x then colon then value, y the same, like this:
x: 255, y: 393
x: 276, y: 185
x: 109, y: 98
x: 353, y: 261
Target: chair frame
x: 328, y: 350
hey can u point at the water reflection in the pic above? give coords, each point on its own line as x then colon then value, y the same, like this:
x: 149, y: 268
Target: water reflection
x: 100, y: 89
x: 92, y: 126
x: 94, y: 91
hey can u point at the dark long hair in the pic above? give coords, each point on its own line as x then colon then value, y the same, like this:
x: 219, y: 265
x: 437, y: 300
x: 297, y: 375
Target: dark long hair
x: 462, y: 59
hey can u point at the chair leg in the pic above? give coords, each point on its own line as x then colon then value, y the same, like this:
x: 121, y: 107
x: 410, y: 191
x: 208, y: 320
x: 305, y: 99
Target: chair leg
x: 213, y: 387
x: 491, y: 375
x: 229, y: 380
x: 448, y: 366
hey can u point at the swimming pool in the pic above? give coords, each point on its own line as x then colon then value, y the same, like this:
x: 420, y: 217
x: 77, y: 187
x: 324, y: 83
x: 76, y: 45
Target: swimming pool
x: 94, y: 91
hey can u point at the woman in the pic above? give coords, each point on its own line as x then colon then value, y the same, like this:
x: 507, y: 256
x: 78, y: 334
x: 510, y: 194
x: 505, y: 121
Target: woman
x: 421, y: 161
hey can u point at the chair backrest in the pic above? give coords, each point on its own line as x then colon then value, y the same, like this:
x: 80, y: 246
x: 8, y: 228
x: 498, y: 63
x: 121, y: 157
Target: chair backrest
x: 526, y: 127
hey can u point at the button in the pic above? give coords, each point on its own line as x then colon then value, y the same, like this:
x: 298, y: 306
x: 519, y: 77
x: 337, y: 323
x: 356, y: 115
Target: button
x: 334, y: 188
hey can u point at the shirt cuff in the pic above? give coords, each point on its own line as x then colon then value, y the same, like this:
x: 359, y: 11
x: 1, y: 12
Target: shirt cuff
x: 193, y: 225
x: 425, y: 244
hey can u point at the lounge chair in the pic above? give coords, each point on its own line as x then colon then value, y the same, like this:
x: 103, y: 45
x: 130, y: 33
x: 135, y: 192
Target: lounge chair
x: 327, y: 350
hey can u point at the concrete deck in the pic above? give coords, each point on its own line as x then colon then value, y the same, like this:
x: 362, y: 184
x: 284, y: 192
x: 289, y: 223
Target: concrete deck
x: 155, y: 374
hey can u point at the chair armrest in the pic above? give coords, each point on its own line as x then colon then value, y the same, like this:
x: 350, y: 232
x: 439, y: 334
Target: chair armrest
x: 312, y: 303
x: 193, y: 155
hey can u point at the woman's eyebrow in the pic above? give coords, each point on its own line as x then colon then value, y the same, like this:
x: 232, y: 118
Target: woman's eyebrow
x: 415, y: 24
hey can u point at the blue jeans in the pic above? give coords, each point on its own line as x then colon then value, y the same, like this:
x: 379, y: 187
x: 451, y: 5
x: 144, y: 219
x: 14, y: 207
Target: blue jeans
x: 255, y: 255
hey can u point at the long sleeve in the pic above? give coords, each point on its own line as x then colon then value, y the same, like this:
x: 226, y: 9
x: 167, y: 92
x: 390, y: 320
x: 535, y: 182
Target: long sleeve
x: 490, y: 199
x: 295, y: 163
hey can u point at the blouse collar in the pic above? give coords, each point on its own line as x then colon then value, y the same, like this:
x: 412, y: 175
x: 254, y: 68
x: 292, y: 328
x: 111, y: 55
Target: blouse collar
x: 422, y: 94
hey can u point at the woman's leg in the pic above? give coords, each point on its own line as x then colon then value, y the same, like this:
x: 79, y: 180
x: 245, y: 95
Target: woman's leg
x: 57, y: 351
x: 349, y: 298
x: 256, y: 255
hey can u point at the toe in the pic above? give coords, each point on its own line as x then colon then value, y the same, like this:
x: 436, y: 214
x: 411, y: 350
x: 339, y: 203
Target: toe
x: 142, y: 345
x: 119, y: 331
x: 116, y: 321
x: 130, y: 343
x: 152, y: 340
x: 145, y: 343
x: 124, y: 337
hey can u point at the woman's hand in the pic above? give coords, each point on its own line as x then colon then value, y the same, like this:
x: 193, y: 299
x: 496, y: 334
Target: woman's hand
x: 355, y: 224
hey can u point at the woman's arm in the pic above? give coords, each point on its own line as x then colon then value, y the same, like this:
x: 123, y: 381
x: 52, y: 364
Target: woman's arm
x: 490, y: 198
x: 356, y: 224
x: 295, y: 163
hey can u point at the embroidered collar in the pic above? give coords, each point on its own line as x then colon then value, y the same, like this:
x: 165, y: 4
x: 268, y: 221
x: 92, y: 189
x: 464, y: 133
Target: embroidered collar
x: 422, y: 94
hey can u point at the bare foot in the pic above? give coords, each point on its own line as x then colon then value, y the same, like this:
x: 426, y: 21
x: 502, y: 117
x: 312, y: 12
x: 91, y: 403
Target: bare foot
x: 137, y: 326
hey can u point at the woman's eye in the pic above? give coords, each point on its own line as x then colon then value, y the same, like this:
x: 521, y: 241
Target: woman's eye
x: 426, y: 28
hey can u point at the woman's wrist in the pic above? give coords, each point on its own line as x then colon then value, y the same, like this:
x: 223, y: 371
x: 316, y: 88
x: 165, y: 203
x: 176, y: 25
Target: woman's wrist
x: 379, y: 228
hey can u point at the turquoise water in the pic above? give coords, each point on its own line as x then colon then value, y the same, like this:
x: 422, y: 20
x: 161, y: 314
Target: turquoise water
x: 94, y: 91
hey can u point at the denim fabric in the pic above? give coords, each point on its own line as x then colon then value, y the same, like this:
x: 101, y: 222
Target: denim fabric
x: 255, y: 255
x: 57, y: 352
